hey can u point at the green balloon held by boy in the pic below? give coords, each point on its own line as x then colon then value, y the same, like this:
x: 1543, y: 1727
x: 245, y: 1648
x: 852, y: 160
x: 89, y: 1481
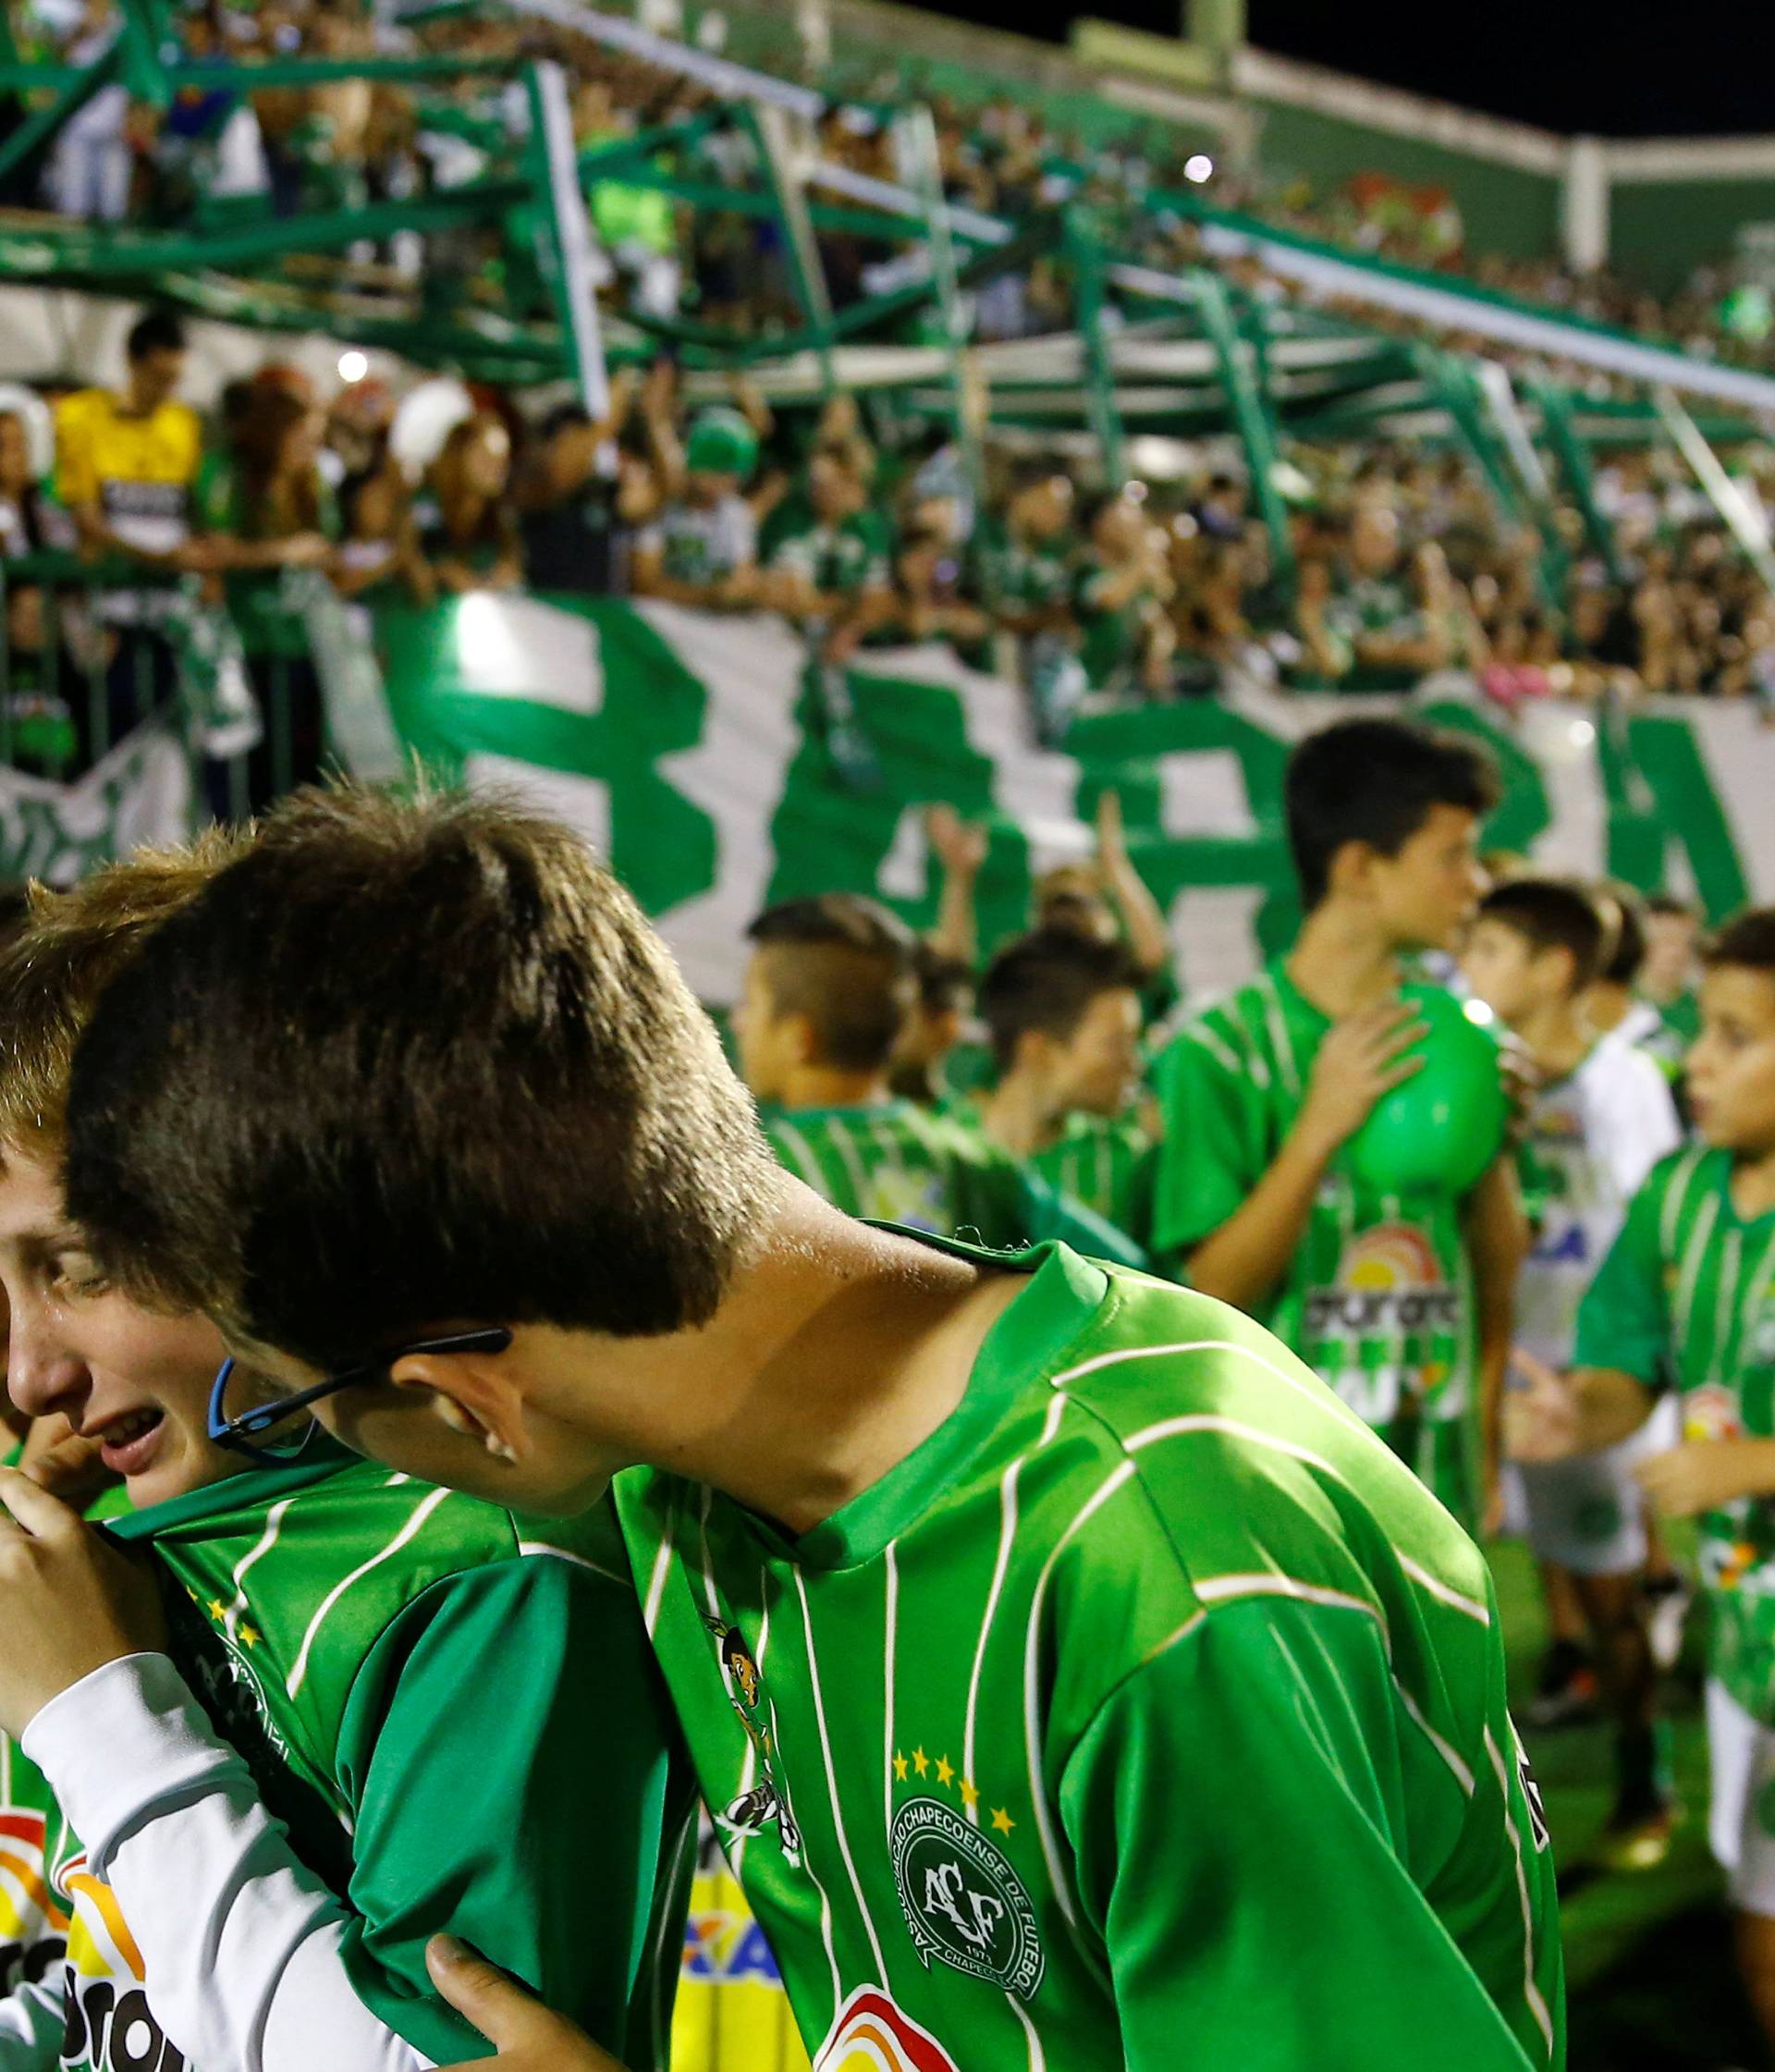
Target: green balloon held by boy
x: 1444, y: 1126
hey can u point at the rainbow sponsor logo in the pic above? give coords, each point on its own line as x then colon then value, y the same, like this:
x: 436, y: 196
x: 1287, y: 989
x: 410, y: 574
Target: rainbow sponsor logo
x: 872, y: 2035
x: 1711, y: 1413
x: 32, y: 1921
x: 1389, y: 1284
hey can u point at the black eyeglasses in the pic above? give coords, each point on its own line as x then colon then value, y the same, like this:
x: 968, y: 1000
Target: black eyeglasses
x: 237, y: 1433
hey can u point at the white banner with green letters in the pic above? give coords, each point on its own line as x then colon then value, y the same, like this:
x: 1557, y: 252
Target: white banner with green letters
x: 691, y: 750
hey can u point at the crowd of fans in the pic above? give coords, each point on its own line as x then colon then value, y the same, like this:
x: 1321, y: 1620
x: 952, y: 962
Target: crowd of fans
x: 223, y: 149
x: 865, y: 528
x: 204, y: 547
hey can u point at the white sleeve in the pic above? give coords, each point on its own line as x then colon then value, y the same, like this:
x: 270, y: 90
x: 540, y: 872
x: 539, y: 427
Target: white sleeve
x: 206, y: 1879
x: 31, y: 2025
x: 1640, y: 1124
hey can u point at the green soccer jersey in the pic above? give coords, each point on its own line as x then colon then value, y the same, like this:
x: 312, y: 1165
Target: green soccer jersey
x: 1108, y: 1164
x: 1378, y: 1297
x: 840, y: 560
x: 441, y: 1703
x: 1024, y: 576
x: 1149, y: 1712
x: 1687, y: 1297
x: 1101, y: 1165
x: 894, y: 1163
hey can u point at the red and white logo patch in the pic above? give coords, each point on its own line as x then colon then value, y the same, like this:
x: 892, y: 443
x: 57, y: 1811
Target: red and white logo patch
x: 872, y: 2035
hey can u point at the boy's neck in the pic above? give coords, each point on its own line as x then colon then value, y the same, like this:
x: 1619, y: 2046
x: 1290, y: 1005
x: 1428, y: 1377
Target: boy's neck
x: 1753, y: 1181
x: 826, y: 1086
x: 1556, y: 1035
x: 1020, y: 1117
x: 1343, y: 960
x: 836, y: 1352
x: 1607, y: 1007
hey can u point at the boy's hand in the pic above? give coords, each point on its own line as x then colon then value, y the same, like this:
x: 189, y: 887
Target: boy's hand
x: 57, y: 1459
x: 1703, y: 1473
x: 960, y: 845
x: 528, y: 2036
x: 69, y: 1601
x: 1523, y: 1078
x: 1541, y: 1412
x: 1363, y: 1057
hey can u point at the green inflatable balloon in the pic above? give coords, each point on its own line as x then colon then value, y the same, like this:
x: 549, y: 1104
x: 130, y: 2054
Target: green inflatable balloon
x: 1437, y: 1131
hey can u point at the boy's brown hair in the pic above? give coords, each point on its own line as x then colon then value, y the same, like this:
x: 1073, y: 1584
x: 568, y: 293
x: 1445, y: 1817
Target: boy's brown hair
x: 846, y: 965
x: 1746, y: 941
x: 430, y: 1048
x: 1556, y: 914
x: 67, y: 949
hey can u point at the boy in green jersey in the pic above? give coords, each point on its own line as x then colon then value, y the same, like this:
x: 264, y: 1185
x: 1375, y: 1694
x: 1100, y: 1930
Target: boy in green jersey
x: 1401, y: 1301
x: 992, y: 1807
x: 1064, y: 1013
x: 1686, y: 1300
x: 826, y: 996
x: 404, y: 1678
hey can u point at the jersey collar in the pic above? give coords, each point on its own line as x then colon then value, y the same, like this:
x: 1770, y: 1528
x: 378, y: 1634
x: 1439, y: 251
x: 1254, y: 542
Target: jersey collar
x: 1028, y: 1342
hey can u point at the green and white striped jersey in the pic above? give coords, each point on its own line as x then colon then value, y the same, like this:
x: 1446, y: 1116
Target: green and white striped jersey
x: 1378, y: 1297
x: 1108, y: 1164
x: 454, y: 1714
x: 1105, y: 1165
x: 894, y: 1162
x: 1150, y: 1711
x: 1687, y: 1297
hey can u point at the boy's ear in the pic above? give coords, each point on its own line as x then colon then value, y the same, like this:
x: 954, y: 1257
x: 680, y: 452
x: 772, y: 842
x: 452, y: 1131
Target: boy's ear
x: 476, y: 1394
x: 803, y: 1041
x: 1351, y: 869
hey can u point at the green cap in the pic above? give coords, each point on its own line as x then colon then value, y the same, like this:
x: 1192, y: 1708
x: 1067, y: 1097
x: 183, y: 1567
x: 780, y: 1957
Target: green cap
x: 721, y: 443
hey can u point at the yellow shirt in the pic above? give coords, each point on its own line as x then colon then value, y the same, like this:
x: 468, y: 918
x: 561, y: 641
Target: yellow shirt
x: 732, y: 2014
x: 139, y: 470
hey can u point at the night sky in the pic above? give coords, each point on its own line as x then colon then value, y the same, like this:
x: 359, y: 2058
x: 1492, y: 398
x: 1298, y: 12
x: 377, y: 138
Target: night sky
x: 1566, y: 64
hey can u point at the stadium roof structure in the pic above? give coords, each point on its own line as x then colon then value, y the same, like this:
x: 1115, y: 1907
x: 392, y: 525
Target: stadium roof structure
x: 1272, y: 337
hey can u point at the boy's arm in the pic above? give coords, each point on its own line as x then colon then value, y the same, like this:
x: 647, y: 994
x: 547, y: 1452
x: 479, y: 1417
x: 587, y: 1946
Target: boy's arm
x: 1496, y: 1232
x: 1240, y: 1260
x: 961, y: 847
x: 506, y: 1751
x: 1620, y: 1359
x: 1325, y: 1952
x: 207, y: 1879
x: 1143, y: 919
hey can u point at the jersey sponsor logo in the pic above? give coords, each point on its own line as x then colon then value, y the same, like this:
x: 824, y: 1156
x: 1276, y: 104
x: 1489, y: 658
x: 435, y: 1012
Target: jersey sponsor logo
x: 1389, y: 1283
x: 110, y: 2032
x: 1711, y: 1413
x: 869, y: 2034
x: 31, y: 1920
x: 764, y: 1805
x: 963, y: 1902
x: 1567, y: 1246
x: 724, y: 1946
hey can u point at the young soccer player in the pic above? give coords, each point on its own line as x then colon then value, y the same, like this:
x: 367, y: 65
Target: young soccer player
x: 415, y: 1065
x: 1667, y: 978
x: 1602, y: 1119
x: 1063, y: 1012
x: 1687, y: 1298
x: 827, y: 995
x: 428, y: 1695
x: 1403, y: 1304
